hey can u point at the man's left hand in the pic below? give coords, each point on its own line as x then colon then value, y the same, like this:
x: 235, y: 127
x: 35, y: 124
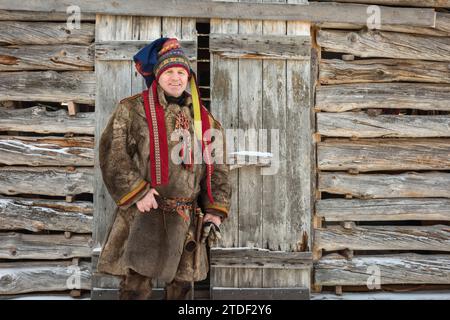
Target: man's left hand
x: 212, y: 218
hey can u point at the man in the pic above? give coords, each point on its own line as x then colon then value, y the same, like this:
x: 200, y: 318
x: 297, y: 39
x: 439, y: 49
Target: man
x: 147, y: 158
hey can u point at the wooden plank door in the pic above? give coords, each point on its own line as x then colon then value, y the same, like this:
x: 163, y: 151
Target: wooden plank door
x: 250, y: 91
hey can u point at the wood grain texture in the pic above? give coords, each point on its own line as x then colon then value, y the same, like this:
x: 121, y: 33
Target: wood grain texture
x: 394, y: 269
x: 47, y: 151
x: 362, y: 125
x: 370, y: 186
x: 384, y: 154
x: 368, y: 44
x: 403, y: 3
x: 38, y: 215
x: 10, y: 15
x: 384, y: 209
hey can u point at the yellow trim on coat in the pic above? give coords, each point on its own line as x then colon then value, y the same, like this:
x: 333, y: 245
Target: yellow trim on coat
x: 132, y: 193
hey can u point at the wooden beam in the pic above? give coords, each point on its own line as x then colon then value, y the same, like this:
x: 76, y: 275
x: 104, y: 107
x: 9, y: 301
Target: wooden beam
x: 259, y: 258
x: 47, y: 151
x: 46, y: 57
x: 312, y: 12
x: 372, y: 186
x: 384, y: 154
x: 382, y: 44
x: 394, y: 269
x: 361, y: 125
x: 335, y: 71
x: 23, y: 277
x: 260, y: 46
x: 44, y: 247
x: 37, y: 215
x: 8, y: 15
x: 38, y: 119
x: 339, y: 98
x: 405, y: 3
x: 295, y: 293
x: 45, y: 180
x: 384, y: 209
x: 77, y: 86
x: 433, y: 238
x: 42, y: 33
x: 125, y: 50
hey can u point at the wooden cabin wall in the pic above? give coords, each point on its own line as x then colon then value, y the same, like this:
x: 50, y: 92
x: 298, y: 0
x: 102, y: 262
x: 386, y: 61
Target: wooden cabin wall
x: 383, y: 145
x: 46, y: 154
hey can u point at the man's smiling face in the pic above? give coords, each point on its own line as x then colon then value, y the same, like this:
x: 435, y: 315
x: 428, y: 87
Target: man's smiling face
x: 174, y: 81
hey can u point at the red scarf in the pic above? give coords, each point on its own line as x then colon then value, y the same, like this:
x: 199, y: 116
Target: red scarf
x: 159, y: 151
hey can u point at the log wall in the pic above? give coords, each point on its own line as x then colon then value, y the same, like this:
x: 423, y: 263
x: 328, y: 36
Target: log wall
x: 47, y: 89
x: 382, y: 214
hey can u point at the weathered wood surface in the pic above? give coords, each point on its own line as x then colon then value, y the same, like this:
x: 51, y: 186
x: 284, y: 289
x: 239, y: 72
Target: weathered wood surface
x: 46, y: 180
x: 265, y: 46
x: 47, y: 151
x: 383, y: 209
x: 23, y: 32
x: 408, y: 185
x: 38, y: 119
x: 335, y: 71
x: 313, y: 12
x: 76, y: 86
x: 37, y: 215
x: 384, y: 154
x: 8, y: 15
x: 385, y: 44
x: 23, y: 277
x: 361, y: 125
x: 125, y: 50
x: 433, y: 238
x: 338, y: 98
x: 44, y: 247
x: 403, y: 3
x: 259, y: 258
x: 46, y: 57
x: 394, y: 269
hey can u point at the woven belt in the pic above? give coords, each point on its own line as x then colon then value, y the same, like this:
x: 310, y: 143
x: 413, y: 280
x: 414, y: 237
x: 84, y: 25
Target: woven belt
x: 178, y: 205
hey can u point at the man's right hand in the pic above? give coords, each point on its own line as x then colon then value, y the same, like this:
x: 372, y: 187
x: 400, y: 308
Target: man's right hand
x: 148, y: 202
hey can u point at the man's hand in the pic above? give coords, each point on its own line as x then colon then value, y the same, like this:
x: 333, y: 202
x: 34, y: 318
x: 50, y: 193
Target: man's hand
x: 211, y: 230
x: 214, y: 219
x: 148, y: 202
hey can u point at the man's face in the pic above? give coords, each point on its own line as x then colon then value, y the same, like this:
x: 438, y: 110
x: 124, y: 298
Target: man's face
x: 174, y: 81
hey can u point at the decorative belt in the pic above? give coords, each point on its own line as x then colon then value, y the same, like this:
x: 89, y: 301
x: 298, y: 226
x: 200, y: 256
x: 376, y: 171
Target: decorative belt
x: 178, y: 205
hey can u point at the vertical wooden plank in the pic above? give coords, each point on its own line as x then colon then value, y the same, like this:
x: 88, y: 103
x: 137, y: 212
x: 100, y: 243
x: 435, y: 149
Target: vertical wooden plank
x: 225, y: 106
x: 299, y: 129
x: 274, y: 192
x: 113, y: 84
x: 189, y: 32
x: 171, y: 27
x: 144, y: 28
x: 250, y: 179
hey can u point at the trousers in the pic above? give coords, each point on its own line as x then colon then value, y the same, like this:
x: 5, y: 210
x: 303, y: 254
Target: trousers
x: 135, y: 286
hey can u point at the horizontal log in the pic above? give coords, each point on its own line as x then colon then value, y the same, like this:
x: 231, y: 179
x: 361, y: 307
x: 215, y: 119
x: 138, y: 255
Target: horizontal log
x: 46, y: 180
x: 260, y: 46
x: 76, y: 86
x: 403, y: 3
x: 125, y: 50
x: 259, y: 258
x: 385, y: 45
x: 335, y: 71
x: 47, y: 151
x: 311, y: 12
x: 361, y: 125
x: 372, y: 186
x: 44, y: 247
x: 443, y: 21
x: 434, y: 238
x: 339, y: 98
x: 45, y: 57
x: 24, y: 32
x: 23, y: 277
x: 37, y: 215
x: 37, y: 119
x: 8, y: 15
x: 393, y: 269
x: 384, y: 209
x: 383, y: 154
